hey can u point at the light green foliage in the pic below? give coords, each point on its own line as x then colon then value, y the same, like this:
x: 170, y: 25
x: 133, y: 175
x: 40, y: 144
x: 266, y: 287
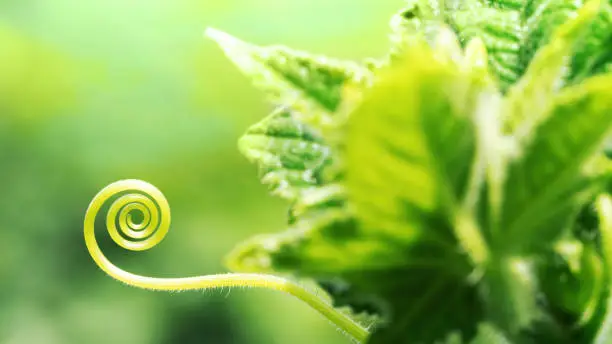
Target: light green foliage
x: 513, y: 31
x: 528, y: 101
x: 441, y: 188
x: 604, y: 207
x: 548, y: 180
x: 290, y: 77
x: 290, y: 155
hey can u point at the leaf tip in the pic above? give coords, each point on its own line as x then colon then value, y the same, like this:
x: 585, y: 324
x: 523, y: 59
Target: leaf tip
x: 584, y: 16
x: 476, y: 55
x: 447, y: 44
x: 224, y: 39
x: 215, y: 34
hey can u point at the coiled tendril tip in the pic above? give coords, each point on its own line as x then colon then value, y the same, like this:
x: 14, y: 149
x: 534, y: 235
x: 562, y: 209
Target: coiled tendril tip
x: 135, y: 197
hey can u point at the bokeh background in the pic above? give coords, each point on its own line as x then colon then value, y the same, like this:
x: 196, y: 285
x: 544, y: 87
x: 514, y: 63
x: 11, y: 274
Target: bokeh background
x: 100, y: 90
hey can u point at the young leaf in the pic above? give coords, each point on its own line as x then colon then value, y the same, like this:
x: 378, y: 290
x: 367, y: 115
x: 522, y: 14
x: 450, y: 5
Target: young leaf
x: 400, y: 165
x: 327, y: 240
x: 289, y: 154
x: 410, y: 146
x: 514, y: 31
x: 541, y: 20
x: 297, y: 79
x: 418, y: 21
x: 394, y: 205
x: 497, y: 28
x: 548, y: 181
x: 595, y: 51
x: 527, y: 101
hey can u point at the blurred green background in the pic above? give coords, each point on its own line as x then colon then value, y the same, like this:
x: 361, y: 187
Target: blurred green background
x: 96, y: 91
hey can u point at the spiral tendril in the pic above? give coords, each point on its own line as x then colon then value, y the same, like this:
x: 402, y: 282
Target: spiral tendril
x: 139, y: 197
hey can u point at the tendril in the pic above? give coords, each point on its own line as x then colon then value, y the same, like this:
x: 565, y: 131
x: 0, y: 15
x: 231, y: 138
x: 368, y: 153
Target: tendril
x: 135, y: 197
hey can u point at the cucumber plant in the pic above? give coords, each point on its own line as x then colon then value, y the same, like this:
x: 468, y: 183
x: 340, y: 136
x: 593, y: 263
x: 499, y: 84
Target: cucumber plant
x: 452, y: 191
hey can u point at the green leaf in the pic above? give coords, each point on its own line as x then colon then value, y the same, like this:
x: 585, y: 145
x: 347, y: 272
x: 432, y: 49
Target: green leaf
x: 489, y: 334
x: 330, y: 240
x: 425, y: 306
x: 592, y: 280
x: 604, y: 208
x: 497, y: 28
x: 514, y: 31
x: 401, y: 169
x: 345, y: 295
x: 289, y: 154
x: 527, y: 101
x: 418, y: 21
x: 572, y: 279
x: 400, y: 166
x: 410, y: 147
x: 594, y: 52
x: 325, y: 244
x: 509, y: 289
x: 549, y: 179
x: 505, y: 4
x: 416, y: 208
x: 542, y: 19
x: 303, y: 81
